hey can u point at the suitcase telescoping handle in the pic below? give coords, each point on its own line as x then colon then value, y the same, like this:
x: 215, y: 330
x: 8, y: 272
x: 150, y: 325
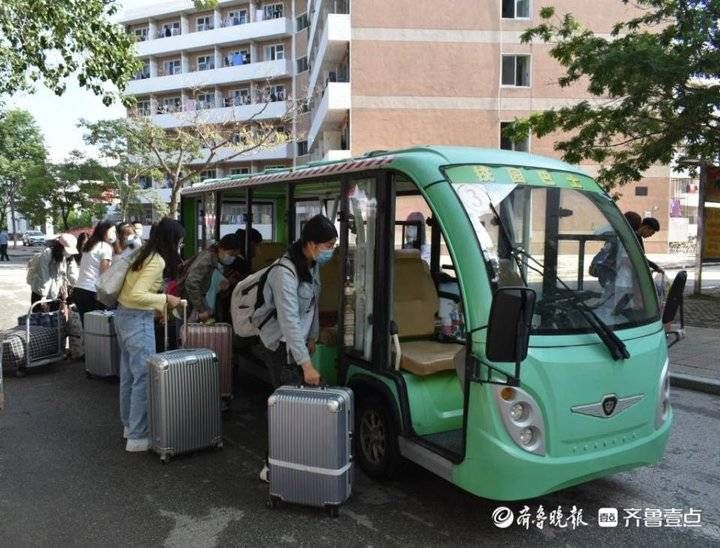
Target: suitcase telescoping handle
x: 184, y: 305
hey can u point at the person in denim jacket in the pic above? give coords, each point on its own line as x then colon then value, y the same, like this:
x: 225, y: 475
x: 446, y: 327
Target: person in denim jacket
x: 289, y: 315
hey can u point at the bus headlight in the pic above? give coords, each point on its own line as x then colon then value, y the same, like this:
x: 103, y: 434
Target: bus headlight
x: 522, y: 418
x: 663, y: 400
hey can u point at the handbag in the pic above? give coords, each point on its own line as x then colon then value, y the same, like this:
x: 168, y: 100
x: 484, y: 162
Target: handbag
x: 110, y: 283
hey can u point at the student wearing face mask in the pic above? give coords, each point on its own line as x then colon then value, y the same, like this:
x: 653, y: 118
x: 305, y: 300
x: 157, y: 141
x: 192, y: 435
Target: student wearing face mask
x: 138, y: 227
x: 96, y: 259
x: 48, y: 275
x: 288, y: 319
x: 125, y: 238
x: 205, y: 278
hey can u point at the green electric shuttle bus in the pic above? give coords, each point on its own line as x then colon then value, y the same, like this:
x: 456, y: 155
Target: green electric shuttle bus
x: 492, y: 311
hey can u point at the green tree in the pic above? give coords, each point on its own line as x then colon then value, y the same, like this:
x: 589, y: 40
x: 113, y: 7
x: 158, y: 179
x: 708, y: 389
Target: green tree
x: 67, y: 191
x: 656, y: 83
x: 22, y: 150
x: 48, y: 41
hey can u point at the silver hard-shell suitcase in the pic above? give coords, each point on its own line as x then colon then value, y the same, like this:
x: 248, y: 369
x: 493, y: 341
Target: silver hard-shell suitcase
x: 184, y: 406
x: 310, y: 440
x: 102, y: 352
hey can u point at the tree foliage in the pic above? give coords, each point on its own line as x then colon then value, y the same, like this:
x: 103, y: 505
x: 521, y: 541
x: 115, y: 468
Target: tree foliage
x: 66, y: 191
x: 48, y: 41
x: 178, y: 155
x: 22, y: 149
x: 656, y: 83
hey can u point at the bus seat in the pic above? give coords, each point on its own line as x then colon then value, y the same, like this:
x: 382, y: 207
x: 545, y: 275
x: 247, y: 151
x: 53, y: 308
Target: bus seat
x: 414, y: 307
x: 266, y: 253
x: 428, y: 357
x: 415, y: 298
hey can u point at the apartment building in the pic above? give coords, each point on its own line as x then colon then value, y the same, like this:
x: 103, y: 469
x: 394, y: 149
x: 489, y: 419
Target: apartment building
x: 374, y: 75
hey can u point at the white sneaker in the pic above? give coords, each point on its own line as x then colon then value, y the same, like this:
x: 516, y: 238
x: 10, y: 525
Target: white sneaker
x: 265, y: 474
x: 126, y: 431
x: 142, y: 444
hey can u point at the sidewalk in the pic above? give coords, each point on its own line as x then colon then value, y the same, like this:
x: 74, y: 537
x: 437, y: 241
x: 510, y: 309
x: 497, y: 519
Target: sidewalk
x: 698, y: 355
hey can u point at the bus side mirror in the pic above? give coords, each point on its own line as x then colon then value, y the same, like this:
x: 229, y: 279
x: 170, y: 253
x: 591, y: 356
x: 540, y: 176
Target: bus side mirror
x: 510, y: 322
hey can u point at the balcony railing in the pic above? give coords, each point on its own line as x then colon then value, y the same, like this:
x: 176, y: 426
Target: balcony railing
x: 223, y: 102
x: 234, y: 21
x: 169, y: 71
x: 166, y: 32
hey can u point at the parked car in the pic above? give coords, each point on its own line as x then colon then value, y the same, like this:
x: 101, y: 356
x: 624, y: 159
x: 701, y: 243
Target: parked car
x: 33, y: 237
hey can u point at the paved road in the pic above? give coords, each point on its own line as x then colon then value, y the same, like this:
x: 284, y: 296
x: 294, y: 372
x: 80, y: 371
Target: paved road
x: 65, y: 480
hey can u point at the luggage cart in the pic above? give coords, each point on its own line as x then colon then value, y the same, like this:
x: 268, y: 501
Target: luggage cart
x: 57, y: 350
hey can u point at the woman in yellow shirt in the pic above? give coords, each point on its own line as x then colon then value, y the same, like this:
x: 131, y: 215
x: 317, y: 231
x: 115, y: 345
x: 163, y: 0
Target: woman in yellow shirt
x: 141, y: 297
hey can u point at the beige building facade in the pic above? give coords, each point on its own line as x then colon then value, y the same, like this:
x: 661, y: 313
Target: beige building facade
x: 377, y: 74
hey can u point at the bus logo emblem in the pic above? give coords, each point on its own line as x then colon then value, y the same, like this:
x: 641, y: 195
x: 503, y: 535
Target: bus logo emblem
x: 608, y: 405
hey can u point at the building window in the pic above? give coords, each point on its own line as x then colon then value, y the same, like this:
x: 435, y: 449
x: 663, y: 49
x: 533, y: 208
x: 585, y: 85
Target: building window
x: 302, y: 148
x: 205, y: 62
x: 641, y: 191
x: 203, y: 23
x: 240, y: 171
x: 143, y: 107
x: 508, y: 144
x: 237, y: 57
x: 141, y: 34
x: 277, y: 93
x: 516, y: 9
x: 169, y: 29
x: 238, y: 97
x: 173, y: 67
x: 144, y: 72
x: 171, y: 104
x: 302, y: 64
x: 235, y: 17
x: 205, y: 101
x: 272, y: 11
x: 274, y: 53
x: 302, y: 22
x: 145, y: 182
x: 516, y: 70
x: 208, y: 174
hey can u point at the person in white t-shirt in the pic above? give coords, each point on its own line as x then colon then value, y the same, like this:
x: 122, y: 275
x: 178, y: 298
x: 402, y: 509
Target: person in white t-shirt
x: 96, y: 259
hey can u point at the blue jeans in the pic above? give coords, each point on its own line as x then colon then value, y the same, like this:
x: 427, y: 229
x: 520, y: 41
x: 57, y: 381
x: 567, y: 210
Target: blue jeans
x: 136, y: 337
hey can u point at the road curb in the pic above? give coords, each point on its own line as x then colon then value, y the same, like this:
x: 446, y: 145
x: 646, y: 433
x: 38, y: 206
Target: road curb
x: 699, y: 384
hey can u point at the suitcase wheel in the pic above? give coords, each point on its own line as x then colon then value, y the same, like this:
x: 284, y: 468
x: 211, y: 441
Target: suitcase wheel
x: 273, y: 502
x: 164, y: 459
x: 333, y: 510
x: 88, y: 374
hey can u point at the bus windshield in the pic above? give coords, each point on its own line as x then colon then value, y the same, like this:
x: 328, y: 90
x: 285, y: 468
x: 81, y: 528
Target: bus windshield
x: 572, y: 246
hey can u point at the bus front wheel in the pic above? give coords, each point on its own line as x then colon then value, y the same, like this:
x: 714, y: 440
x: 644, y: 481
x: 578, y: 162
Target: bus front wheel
x: 376, y: 444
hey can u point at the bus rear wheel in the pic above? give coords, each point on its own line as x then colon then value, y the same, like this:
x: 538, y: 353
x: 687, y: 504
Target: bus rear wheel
x: 376, y: 444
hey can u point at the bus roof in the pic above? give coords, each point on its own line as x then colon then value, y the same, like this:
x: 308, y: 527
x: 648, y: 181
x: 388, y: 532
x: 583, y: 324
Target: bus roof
x: 404, y: 159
